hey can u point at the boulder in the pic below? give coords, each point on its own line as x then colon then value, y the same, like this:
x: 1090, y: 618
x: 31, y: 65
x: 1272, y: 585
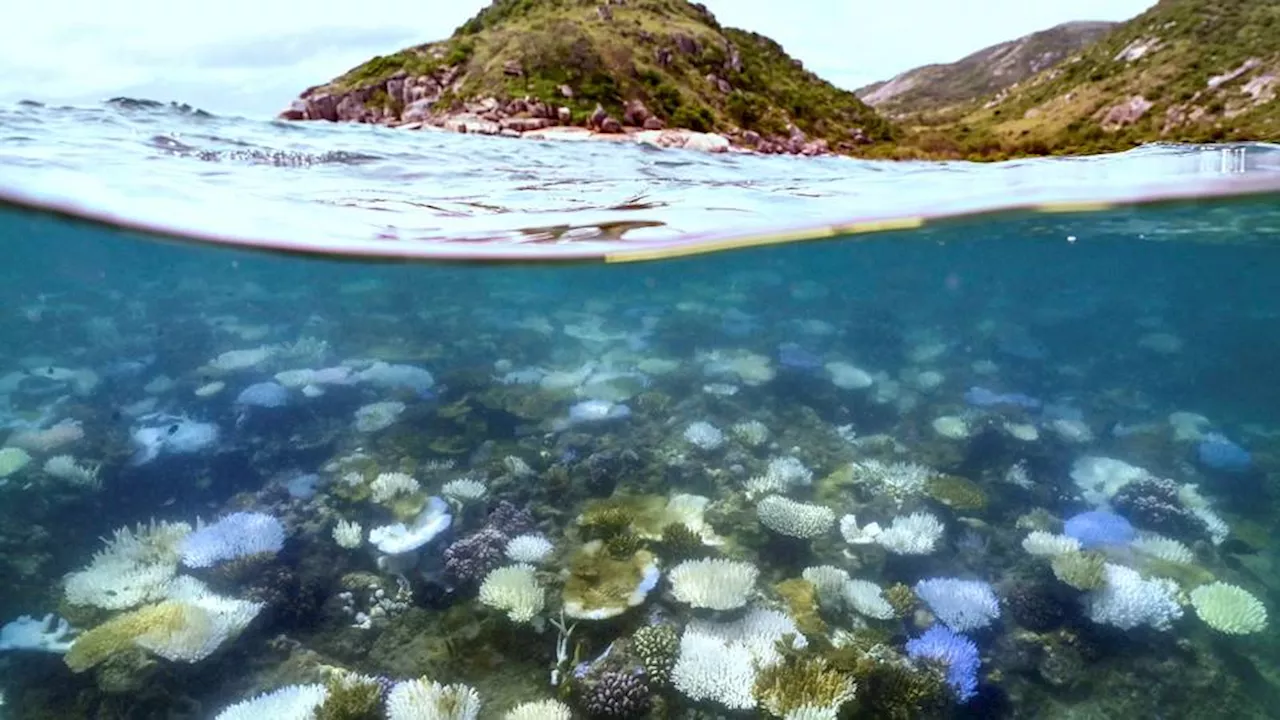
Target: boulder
x: 653, y: 123
x: 597, y: 117
x: 635, y: 113
x: 564, y: 115
x: 706, y: 142
x: 512, y: 68
x: 610, y: 126
x: 525, y: 124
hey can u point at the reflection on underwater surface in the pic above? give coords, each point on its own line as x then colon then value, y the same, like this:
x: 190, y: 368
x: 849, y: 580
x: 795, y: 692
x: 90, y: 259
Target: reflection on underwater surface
x: 1023, y: 467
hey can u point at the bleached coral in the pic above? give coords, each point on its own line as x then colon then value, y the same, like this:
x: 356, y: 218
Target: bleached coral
x: 962, y: 605
x: 49, y: 634
x: 464, y: 490
x: 703, y: 435
x: 237, y: 535
x: 540, y: 710
x: 828, y: 581
x: 709, y: 669
x: 868, y: 599
x: 1126, y: 600
x: 751, y: 432
x: 1047, y: 544
x: 208, y: 621
x: 293, y: 702
x: 714, y: 584
x: 390, y: 485
x: 1100, y: 478
x: 65, y: 467
x: 1190, y: 497
x: 899, y: 480
x: 795, y: 519
x: 914, y: 534
x: 1163, y: 548
x: 855, y: 535
x: 514, y: 589
x: 348, y: 534
x: 423, y: 699
x: 1229, y: 609
x: 378, y: 416
x: 781, y: 475
x: 718, y: 661
x: 134, y: 567
x: 529, y: 548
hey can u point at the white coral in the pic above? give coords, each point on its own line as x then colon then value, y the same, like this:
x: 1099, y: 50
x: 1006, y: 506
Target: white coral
x: 529, y: 548
x: 540, y: 710
x: 348, y: 534
x: 867, y: 598
x: 515, y: 590
x: 389, y: 485
x: 293, y: 702
x: 1047, y: 544
x: 464, y: 490
x: 714, y: 584
x: 1163, y: 548
x: 1126, y: 600
x: 423, y: 699
x: 1229, y: 609
x: 134, y: 567
x: 914, y: 534
x: 795, y: 519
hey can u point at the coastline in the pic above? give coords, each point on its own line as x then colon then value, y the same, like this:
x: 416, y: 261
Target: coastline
x: 532, y: 119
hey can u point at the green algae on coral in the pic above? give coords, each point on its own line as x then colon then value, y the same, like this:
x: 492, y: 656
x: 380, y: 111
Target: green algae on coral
x: 599, y: 586
x: 958, y: 493
x: 1081, y: 570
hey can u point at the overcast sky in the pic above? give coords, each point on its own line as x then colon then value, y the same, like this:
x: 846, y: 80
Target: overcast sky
x: 251, y: 57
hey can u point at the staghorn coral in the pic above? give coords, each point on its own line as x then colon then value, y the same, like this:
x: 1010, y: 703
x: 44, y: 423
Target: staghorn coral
x: 802, y: 681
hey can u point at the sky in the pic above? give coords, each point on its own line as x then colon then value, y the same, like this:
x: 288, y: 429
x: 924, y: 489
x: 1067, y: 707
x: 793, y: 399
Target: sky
x: 251, y: 57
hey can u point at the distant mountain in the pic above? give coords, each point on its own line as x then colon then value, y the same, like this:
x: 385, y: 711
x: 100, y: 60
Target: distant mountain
x: 1185, y: 71
x: 984, y: 73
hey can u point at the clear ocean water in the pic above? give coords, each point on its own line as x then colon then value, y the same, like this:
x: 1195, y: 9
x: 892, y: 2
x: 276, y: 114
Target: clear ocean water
x: 1017, y: 465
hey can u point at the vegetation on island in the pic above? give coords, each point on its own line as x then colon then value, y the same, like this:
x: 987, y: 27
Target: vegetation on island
x: 1184, y: 71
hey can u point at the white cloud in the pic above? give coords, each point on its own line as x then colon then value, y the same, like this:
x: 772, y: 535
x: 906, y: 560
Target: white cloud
x: 253, y: 56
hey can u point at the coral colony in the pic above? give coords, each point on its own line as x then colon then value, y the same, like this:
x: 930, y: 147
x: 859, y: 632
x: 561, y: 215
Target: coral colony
x: 699, y: 510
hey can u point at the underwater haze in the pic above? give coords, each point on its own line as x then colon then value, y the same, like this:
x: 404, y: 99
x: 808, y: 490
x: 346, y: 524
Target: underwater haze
x: 1011, y: 463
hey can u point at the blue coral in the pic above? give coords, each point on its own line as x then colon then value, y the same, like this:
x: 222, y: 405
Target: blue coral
x: 1217, y: 452
x: 235, y: 536
x: 1099, y: 528
x: 956, y: 653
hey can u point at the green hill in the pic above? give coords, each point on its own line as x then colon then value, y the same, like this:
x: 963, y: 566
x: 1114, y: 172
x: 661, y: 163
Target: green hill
x: 981, y: 74
x: 524, y: 64
x: 1184, y: 71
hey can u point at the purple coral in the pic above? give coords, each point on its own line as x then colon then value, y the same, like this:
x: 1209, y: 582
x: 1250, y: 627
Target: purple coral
x: 510, y: 520
x: 955, y: 652
x: 1153, y: 503
x: 617, y: 694
x: 468, y: 560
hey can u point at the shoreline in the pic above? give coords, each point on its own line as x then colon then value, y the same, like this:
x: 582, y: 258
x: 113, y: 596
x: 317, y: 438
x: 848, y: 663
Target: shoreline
x: 535, y: 120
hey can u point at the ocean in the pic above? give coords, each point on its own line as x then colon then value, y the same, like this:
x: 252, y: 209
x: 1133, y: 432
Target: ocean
x: 305, y: 420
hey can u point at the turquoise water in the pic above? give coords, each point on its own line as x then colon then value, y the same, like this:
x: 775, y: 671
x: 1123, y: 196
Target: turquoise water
x: 1065, y: 428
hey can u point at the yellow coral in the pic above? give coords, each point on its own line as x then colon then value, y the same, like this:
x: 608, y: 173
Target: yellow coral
x: 123, y: 631
x: 802, y: 604
x: 958, y: 493
x: 802, y: 682
x: 1080, y: 570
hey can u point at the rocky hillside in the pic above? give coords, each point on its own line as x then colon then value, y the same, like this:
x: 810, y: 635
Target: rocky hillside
x: 521, y: 66
x: 1185, y: 70
x: 982, y: 74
